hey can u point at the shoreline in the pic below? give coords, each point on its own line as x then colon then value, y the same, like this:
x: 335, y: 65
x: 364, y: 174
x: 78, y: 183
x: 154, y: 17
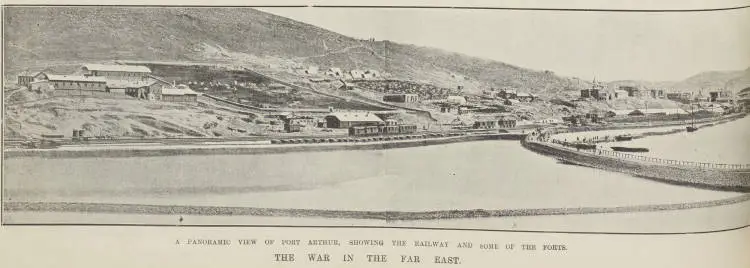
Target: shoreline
x: 688, y: 173
x: 236, y: 149
x: 388, y: 216
x: 292, y: 144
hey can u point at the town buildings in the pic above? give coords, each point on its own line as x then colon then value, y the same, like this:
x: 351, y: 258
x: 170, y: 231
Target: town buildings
x: 721, y: 96
x: 656, y: 93
x: 633, y: 91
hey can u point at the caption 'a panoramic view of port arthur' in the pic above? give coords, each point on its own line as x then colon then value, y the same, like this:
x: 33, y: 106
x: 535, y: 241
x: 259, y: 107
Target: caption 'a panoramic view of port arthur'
x: 293, y: 116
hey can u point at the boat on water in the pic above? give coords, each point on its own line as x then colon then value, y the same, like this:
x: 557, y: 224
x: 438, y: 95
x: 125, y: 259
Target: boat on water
x: 625, y: 137
x: 629, y: 149
x: 691, y: 128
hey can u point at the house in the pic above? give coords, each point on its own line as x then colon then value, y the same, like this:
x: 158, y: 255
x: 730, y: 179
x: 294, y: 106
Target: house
x: 507, y: 94
x: 605, y: 95
x: 334, y: 72
x: 300, y: 120
x: 679, y: 96
x: 506, y: 123
x: 525, y: 97
x: 372, y: 73
x: 659, y: 111
x: 351, y: 119
x: 632, y: 91
x: 138, y: 89
x: 551, y: 121
x: 179, y: 93
x: 311, y: 70
x: 590, y: 93
x: 117, y: 72
x: 485, y: 124
x: 594, y: 117
x: 460, y: 100
x: 357, y: 74
x: 404, y: 98
x: 25, y: 78
x: 656, y: 93
x: 346, y: 86
x: 48, y: 82
x: 448, y: 108
x: 620, y: 94
x: 743, y: 97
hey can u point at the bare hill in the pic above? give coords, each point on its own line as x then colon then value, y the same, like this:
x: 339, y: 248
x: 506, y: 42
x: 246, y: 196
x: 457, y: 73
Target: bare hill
x: 75, y: 34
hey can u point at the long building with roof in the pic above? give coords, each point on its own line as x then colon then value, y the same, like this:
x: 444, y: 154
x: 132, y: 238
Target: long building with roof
x: 47, y: 82
x: 117, y: 72
x: 351, y: 119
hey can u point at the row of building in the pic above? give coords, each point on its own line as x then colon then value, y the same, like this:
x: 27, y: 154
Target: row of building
x: 511, y: 94
x: 135, y: 81
x: 598, y: 92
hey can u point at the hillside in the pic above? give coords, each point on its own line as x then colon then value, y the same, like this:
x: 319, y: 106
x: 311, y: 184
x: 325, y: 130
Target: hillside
x: 239, y: 35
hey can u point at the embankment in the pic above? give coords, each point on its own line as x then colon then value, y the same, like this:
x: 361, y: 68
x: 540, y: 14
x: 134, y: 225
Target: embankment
x: 141, y: 151
x: 388, y: 216
x: 737, y: 180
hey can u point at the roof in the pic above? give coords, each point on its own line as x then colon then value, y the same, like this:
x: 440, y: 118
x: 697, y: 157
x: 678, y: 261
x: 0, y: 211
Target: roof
x: 128, y: 84
x: 178, y: 90
x: 28, y: 73
x: 117, y: 68
x: 522, y: 94
x: 76, y: 78
x: 356, y: 116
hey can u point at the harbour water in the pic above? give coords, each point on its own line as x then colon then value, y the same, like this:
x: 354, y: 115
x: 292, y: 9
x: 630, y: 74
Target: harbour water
x: 473, y: 175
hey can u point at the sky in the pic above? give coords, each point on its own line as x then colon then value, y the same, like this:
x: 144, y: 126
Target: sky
x: 606, y: 45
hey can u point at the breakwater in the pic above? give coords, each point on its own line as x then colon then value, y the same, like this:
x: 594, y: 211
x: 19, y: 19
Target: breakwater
x: 293, y: 145
x: 670, y: 171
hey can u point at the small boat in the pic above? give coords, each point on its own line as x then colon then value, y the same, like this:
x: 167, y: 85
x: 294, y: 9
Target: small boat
x: 625, y: 137
x: 629, y: 149
x: 691, y: 129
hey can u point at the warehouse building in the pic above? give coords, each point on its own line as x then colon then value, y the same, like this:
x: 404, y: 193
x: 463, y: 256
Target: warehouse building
x: 48, y: 82
x: 180, y: 93
x: 117, y: 72
x: 351, y: 119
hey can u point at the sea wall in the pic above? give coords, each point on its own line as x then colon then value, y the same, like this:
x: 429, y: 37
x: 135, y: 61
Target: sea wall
x: 737, y: 180
x: 124, y: 151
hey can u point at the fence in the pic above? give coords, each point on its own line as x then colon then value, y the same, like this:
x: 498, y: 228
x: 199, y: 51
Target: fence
x: 656, y: 160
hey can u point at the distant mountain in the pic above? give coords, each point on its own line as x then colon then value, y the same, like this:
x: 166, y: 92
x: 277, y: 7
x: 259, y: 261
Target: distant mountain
x: 710, y: 80
x: 39, y: 37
